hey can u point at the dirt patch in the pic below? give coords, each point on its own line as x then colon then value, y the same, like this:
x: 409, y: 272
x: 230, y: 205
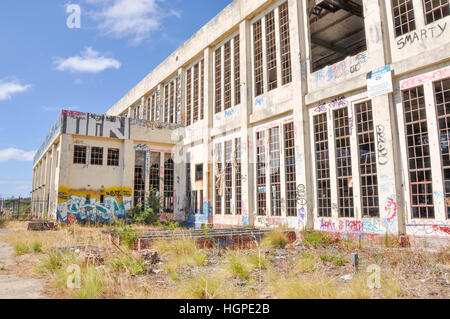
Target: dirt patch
x: 12, y: 287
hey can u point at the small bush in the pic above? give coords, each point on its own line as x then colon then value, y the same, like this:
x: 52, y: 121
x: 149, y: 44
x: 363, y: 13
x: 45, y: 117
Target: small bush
x: 54, y: 261
x: 169, y: 225
x: 275, y: 239
x: 92, y: 285
x: 199, y: 258
x: 150, y: 214
x: 258, y: 261
x: 316, y: 238
x: 207, y: 287
x: 306, y: 263
x: 132, y: 265
x: 238, y: 268
x: 22, y: 249
x: 37, y: 247
x: 339, y: 261
x: 128, y: 235
x: 326, y: 258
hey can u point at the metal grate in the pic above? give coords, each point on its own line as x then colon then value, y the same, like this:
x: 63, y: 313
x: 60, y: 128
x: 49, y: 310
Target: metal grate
x: 403, y: 12
x: 271, y: 52
x: 188, y: 96
x: 154, y: 176
x: 367, y: 159
x: 435, y: 10
x: 343, y: 163
x: 237, y: 71
x: 79, y: 154
x: 196, y: 92
x: 218, y: 80
x: 442, y: 98
x: 202, y: 89
x: 228, y: 177
x: 260, y: 174
x: 323, y: 182
x: 289, y: 158
x: 419, y: 162
x: 97, y: 156
x: 113, y: 157
x: 258, y: 58
x: 275, y: 176
x: 238, y: 178
x: 218, y: 172
x: 285, y: 44
x: 168, y: 182
x: 227, y: 75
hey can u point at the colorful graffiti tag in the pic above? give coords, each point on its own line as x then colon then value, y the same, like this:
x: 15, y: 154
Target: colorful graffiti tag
x: 87, y: 206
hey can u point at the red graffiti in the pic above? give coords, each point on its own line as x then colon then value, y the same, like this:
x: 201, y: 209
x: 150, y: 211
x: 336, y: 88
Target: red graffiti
x: 442, y: 229
x: 327, y: 225
x: 433, y: 76
x: 391, y: 208
x: 355, y: 226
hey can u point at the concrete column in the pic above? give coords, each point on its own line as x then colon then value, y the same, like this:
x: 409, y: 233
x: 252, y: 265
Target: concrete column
x: 299, y: 21
x: 208, y: 184
x: 246, y: 134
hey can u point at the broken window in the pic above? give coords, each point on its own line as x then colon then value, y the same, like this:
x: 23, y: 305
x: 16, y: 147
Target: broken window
x: 228, y: 177
x: 275, y: 176
x: 202, y: 89
x: 260, y: 173
x: 367, y: 159
x: 237, y: 71
x: 237, y: 174
x: 323, y: 183
x: 113, y: 156
x: 172, y: 102
x: 198, y: 172
x: 155, y: 162
x: 79, y: 154
x: 285, y: 44
x: 218, y: 80
x: 271, y: 51
x: 442, y: 97
x: 188, y: 96
x: 258, y: 58
x: 403, y: 12
x: 336, y: 30
x: 218, y: 179
x: 139, y: 178
x: 227, y: 75
x: 97, y: 156
x: 419, y: 161
x: 196, y: 92
x: 168, y: 183
x: 166, y: 104
x: 435, y: 10
x: 343, y: 163
x: 289, y: 159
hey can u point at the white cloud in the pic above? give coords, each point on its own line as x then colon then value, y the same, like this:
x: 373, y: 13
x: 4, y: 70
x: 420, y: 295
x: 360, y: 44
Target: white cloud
x: 90, y: 61
x: 7, y: 89
x: 14, y: 154
x: 129, y: 18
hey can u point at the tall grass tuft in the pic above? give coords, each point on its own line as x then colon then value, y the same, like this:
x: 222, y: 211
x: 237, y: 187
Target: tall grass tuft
x: 275, y: 239
x: 92, y: 285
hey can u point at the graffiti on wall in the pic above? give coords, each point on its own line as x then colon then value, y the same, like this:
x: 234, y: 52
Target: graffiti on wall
x: 381, y: 146
x: 197, y: 219
x: 301, y: 195
x: 422, y: 35
x: 341, y: 69
x: 95, y: 125
x: 337, y: 102
x: 88, y: 206
x: 424, y: 78
x: 421, y: 228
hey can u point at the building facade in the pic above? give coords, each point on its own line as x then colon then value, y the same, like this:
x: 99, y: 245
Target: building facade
x: 278, y: 126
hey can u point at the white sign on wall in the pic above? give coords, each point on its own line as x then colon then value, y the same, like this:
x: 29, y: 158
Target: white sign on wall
x: 379, y: 82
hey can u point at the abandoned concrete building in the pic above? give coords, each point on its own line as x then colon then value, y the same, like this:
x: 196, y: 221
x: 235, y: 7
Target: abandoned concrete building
x: 324, y: 114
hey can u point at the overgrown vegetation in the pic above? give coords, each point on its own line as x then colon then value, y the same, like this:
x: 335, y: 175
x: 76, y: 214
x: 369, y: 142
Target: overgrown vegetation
x: 315, y: 239
x: 128, y: 235
x: 276, y: 239
x: 148, y: 213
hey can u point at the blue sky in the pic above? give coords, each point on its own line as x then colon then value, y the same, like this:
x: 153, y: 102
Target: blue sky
x: 46, y: 66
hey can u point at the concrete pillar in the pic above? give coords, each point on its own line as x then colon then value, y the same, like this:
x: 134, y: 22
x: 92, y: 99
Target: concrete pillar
x: 208, y: 184
x: 247, y: 143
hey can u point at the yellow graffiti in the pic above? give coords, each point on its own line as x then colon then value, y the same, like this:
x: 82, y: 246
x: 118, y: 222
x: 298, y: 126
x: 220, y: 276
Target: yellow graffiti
x: 116, y: 191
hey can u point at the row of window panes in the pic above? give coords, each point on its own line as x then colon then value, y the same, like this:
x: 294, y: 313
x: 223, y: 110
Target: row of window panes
x: 80, y: 155
x: 403, y: 13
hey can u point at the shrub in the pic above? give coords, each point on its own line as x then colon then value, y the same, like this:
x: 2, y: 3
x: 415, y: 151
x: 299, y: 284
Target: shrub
x: 92, y: 285
x: 316, y: 238
x: 258, y: 261
x: 306, y: 263
x: 150, y: 214
x: 37, y: 247
x: 207, y: 287
x: 132, y: 265
x: 169, y: 224
x: 22, y: 248
x: 128, y: 235
x: 238, y: 268
x: 275, y: 239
